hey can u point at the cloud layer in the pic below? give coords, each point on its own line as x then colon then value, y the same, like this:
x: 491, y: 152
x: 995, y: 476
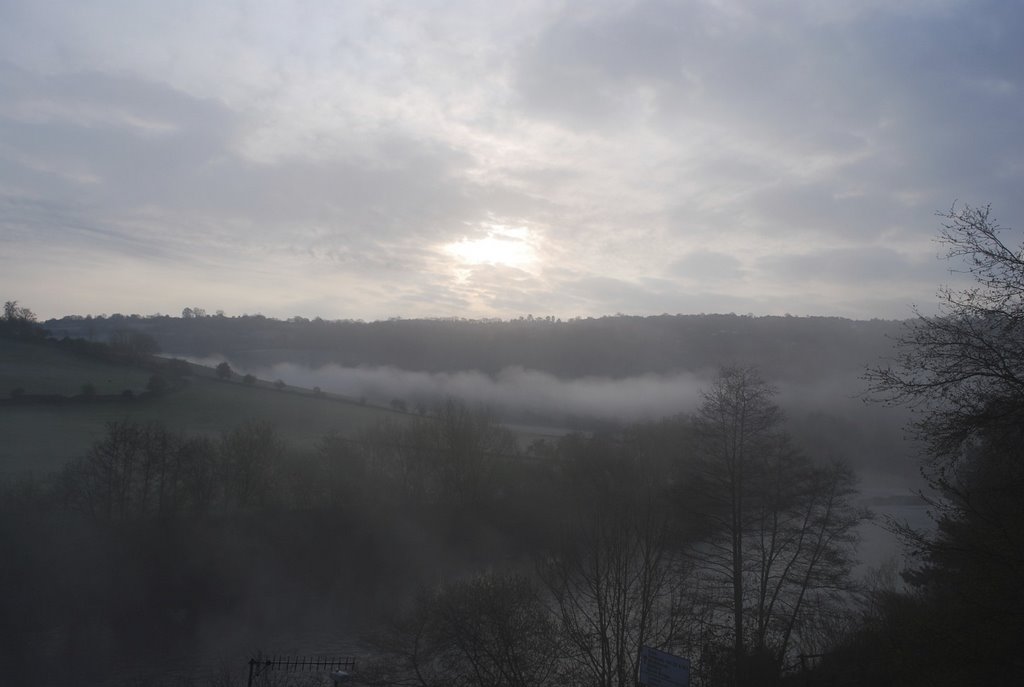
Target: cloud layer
x: 454, y: 159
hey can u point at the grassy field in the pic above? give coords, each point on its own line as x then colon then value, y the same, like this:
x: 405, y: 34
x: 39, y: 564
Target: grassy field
x: 40, y: 438
x: 39, y: 368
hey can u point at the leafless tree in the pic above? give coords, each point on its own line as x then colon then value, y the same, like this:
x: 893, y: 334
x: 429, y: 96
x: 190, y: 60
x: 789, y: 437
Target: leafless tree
x: 778, y: 529
x: 617, y: 580
x: 447, y: 456
x: 140, y: 471
x: 962, y: 369
x: 487, y: 631
x: 250, y: 457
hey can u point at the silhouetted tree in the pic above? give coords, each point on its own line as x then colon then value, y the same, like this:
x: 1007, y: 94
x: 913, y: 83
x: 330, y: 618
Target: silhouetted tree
x: 616, y: 579
x: 779, y: 528
x: 14, y: 312
x: 331, y: 477
x: 962, y: 370
x: 466, y: 443
x: 19, y: 322
x: 448, y: 456
x: 223, y: 371
x: 137, y: 471
x: 250, y: 457
x: 488, y: 631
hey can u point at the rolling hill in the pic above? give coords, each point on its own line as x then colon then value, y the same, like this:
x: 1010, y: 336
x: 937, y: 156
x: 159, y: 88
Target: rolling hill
x: 46, y: 419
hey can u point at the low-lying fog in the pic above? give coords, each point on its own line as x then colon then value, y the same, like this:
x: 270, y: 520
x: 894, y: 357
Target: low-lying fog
x: 828, y: 417
x: 517, y: 391
x: 513, y: 392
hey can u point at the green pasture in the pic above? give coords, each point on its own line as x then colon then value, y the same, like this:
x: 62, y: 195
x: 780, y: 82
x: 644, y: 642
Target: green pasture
x: 39, y: 368
x: 39, y: 438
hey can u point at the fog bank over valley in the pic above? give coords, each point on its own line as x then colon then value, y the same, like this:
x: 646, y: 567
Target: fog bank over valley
x: 513, y: 392
x: 828, y: 416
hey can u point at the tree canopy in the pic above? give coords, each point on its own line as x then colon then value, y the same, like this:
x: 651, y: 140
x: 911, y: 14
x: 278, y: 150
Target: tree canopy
x: 962, y: 370
x: 19, y: 322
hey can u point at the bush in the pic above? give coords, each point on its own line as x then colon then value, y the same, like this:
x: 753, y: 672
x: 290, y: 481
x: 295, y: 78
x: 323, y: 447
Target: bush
x: 223, y: 371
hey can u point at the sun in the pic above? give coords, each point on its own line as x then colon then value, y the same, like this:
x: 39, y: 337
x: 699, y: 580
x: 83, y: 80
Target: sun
x: 502, y: 245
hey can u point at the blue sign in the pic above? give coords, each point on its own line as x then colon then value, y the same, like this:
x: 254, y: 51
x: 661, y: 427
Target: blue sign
x: 659, y: 669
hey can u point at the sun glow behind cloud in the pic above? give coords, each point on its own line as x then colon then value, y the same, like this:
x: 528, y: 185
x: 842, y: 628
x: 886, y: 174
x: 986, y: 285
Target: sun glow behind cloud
x: 503, y: 246
x: 576, y: 158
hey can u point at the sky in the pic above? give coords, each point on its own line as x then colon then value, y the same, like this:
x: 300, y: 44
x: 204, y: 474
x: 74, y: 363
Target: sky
x: 369, y: 160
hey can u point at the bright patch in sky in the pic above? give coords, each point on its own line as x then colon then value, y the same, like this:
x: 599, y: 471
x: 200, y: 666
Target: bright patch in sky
x: 503, y: 246
x: 470, y: 159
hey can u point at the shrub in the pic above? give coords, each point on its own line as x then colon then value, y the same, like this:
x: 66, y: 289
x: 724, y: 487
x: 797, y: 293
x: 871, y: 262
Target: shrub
x: 223, y: 371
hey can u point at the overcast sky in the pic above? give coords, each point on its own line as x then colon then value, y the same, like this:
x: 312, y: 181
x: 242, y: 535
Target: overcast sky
x: 354, y: 159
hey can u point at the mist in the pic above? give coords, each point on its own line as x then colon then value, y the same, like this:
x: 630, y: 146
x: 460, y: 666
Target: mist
x: 514, y: 392
x: 827, y: 415
x: 274, y: 565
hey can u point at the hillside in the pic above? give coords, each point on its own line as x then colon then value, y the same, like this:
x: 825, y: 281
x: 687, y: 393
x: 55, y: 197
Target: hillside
x: 53, y: 421
x: 582, y: 373
x: 789, y: 348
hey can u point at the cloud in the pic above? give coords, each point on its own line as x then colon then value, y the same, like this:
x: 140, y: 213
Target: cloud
x: 282, y: 155
x: 708, y: 266
x: 874, y: 265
